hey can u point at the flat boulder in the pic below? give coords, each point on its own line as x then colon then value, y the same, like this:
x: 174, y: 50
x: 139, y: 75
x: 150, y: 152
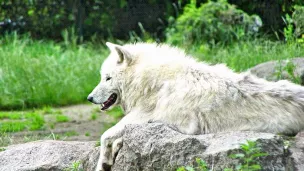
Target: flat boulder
x: 44, y: 155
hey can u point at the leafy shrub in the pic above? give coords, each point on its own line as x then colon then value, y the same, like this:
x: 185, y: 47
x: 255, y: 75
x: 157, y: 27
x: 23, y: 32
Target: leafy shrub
x: 101, y: 18
x: 212, y: 22
x: 298, y: 19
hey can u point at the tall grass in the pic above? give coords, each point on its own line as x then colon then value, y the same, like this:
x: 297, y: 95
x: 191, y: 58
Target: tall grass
x: 245, y: 54
x: 39, y: 73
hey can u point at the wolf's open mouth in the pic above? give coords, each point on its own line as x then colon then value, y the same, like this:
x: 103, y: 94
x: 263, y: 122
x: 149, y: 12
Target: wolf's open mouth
x: 111, y: 100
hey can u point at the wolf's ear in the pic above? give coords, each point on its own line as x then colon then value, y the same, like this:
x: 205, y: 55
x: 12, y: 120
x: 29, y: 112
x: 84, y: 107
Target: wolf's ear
x: 123, y: 54
x: 111, y: 46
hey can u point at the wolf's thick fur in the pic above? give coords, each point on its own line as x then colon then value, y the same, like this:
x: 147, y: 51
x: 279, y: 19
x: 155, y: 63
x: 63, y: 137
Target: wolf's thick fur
x: 162, y: 83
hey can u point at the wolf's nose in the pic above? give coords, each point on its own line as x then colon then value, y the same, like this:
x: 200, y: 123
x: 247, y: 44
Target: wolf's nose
x: 90, y: 98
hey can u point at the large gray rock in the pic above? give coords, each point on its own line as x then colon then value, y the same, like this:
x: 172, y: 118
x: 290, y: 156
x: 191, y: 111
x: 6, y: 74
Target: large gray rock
x: 43, y: 155
x: 156, y: 147
x: 269, y: 70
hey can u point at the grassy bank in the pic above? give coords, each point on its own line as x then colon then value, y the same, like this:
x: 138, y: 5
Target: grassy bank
x: 39, y: 73
x: 42, y: 73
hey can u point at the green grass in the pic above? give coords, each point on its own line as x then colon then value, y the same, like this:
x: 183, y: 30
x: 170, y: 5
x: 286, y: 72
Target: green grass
x: 12, y: 116
x: 70, y: 133
x: 43, y: 73
x: 20, y: 121
x: 243, y: 55
x: 62, y: 118
x: 116, y: 112
x: 94, y: 116
x: 50, y: 110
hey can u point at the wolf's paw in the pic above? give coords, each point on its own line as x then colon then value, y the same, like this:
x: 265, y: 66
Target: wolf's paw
x: 108, y: 152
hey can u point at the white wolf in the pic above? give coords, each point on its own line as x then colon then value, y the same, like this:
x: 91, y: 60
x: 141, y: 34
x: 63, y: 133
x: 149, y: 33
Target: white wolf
x: 153, y: 82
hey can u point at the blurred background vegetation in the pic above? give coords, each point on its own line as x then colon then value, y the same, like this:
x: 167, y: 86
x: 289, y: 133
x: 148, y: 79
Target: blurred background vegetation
x: 51, y: 50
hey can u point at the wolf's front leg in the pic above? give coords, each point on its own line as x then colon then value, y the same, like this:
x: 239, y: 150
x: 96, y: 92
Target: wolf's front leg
x: 110, y: 144
x: 111, y: 141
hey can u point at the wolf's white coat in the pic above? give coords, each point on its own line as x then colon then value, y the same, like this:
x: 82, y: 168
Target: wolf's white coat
x: 162, y: 83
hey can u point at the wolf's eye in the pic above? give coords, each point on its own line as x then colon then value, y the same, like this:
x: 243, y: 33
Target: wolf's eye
x: 108, y: 78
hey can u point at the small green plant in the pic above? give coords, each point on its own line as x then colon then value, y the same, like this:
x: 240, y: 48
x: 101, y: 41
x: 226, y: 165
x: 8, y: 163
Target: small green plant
x: 52, y: 125
x: 94, y: 116
x: 62, y: 118
x: 97, y: 143
x: 76, y: 166
x: 2, y: 149
x: 289, y: 68
x: 247, y: 160
x: 201, y: 166
x: 87, y: 134
x: 289, y: 29
x: 248, y: 157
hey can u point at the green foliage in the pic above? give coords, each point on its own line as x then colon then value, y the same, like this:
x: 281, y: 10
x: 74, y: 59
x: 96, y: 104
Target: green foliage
x: 289, y: 30
x: 101, y: 18
x: 212, y: 23
x: 43, y: 73
x: 248, y: 157
x: 247, y: 160
x: 298, y: 20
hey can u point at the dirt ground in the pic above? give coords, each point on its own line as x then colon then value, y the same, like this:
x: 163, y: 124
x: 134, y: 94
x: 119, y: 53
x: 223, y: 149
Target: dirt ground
x: 80, y: 127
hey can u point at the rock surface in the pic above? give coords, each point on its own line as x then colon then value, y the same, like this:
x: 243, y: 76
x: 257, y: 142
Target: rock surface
x: 269, y: 70
x: 43, y: 155
x: 297, y: 152
x: 156, y: 147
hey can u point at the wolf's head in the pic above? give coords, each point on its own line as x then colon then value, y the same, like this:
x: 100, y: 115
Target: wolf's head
x: 107, y: 92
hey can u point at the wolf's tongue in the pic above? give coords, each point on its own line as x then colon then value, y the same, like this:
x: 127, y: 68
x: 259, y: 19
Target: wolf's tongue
x: 111, y: 100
